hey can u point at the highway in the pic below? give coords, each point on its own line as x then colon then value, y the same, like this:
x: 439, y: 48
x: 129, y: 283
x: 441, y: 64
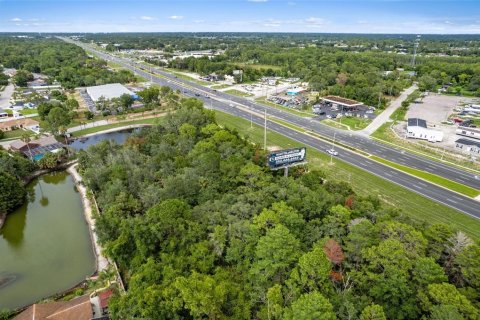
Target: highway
x: 243, y: 108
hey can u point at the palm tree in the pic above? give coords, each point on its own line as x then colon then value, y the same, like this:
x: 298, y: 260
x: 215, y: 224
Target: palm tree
x: 26, y: 138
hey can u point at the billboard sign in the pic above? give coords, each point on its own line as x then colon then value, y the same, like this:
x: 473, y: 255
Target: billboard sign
x: 237, y: 72
x: 287, y: 157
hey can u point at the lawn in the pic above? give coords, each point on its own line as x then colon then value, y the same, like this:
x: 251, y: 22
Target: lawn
x: 415, y: 206
x: 352, y: 123
x: 258, y: 66
x: 220, y: 86
x: 15, y: 134
x: 433, y: 178
x: 238, y: 93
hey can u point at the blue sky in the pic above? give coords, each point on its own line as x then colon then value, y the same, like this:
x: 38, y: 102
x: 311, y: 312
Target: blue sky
x: 369, y: 16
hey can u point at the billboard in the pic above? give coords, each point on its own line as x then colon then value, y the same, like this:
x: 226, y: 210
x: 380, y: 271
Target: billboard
x: 287, y: 157
x: 237, y: 72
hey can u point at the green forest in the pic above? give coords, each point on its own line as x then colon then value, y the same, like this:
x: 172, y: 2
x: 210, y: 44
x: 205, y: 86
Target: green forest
x: 62, y: 62
x: 202, y: 229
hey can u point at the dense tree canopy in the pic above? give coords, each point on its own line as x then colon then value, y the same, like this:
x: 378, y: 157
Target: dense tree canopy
x: 66, y: 63
x: 202, y: 229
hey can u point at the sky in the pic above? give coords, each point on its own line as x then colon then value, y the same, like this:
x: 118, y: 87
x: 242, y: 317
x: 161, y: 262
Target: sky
x: 317, y: 16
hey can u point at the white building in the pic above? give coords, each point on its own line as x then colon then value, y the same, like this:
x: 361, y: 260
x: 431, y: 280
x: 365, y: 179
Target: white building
x: 468, y: 132
x: 417, y: 129
x: 468, y: 146
x: 108, y: 91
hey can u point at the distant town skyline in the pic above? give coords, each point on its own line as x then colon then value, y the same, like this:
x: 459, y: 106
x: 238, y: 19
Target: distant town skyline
x: 315, y: 16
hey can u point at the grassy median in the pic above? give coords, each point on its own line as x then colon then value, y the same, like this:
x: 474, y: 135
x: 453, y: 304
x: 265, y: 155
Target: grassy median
x: 364, y: 183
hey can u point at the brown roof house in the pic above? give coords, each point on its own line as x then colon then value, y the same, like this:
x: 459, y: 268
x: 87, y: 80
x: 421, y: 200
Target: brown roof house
x: 25, y: 123
x: 79, y: 309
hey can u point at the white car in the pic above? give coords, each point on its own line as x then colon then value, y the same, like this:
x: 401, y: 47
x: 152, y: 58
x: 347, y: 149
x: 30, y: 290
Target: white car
x: 332, y: 152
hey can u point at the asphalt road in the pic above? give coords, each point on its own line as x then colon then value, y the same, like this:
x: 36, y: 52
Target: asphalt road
x: 228, y: 103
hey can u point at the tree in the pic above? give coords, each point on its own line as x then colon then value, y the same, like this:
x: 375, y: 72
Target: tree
x: 446, y: 294
x: 311, y: 306
x: 373, y: 312
x: 275, y: 254
x: 22, y: 77
x: 13, y: 193
x: 126, y: 101
x: 57, y: 117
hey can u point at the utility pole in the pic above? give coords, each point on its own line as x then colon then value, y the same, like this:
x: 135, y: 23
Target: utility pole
x: 251, y: 120
x: 333, y: 148
x: 265, y: 132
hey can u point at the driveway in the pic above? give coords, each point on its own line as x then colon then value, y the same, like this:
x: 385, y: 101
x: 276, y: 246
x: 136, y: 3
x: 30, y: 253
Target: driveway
x: 385, y: 115
x: 5, y: 96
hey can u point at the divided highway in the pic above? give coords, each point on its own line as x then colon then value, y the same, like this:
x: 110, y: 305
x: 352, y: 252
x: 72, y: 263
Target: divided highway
x: 241, y: 107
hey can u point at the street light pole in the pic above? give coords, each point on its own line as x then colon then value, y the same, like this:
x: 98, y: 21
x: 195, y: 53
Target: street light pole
x: 333, y: 148
x: 265, y: 132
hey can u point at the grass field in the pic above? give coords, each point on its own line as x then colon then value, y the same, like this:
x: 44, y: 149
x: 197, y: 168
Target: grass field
x: 220, y: 86
x: 15, y: 134
x: 364, y: 183
x: 258, y: 66
x: 354, y: 123
x: 238, y: 93
x: 116, y: 125
x: 452, y: 185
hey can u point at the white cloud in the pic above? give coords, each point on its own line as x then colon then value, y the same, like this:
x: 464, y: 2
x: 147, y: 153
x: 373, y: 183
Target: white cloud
x: 314, y: 21
x: 175, y: 17
x: 147, y: 18
x: 16, y: 19
x: 198, y: 21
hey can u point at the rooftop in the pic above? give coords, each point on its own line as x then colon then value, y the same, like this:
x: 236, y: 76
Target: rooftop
x: 416, y: 122
x: 108, y: 91
x: 25, y: 122
x: 468, y: 142
x: 78, y: 308
x: 342, y: 101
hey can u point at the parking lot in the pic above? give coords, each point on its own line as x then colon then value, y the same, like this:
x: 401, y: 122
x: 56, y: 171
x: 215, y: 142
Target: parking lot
x: 330, y: 111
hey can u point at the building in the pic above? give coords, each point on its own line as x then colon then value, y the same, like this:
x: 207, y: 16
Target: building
x: 108, y: 91
x: 417, y: 129
x: 79, y: 308
x: 294, y: 91
x: 468, y: 146
x: 86, y: 307
x: 36, y: 149
x: 3, y: 114
x: 339, y: 102
x: 468, y: 132
x: 25, y: 123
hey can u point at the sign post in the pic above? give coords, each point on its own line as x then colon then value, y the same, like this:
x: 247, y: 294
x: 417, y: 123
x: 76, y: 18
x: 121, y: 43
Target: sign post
x: 285, y: 159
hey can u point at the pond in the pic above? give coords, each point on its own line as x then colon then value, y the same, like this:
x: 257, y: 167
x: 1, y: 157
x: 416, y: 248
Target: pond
x: 45, y: 245
x: 117, y: 136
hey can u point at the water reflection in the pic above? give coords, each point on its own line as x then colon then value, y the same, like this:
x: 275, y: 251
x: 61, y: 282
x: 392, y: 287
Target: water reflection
x: 118, y: 136
x: 13, y: 230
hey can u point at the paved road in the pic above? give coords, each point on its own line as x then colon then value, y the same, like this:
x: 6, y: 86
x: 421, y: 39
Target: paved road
x: 228, y: 103
x: 385, y: 115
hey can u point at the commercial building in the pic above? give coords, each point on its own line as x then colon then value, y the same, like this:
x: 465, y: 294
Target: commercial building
x: 417, y: 129
x: 468, y: 132
x: 294, y: 91
x: 339, y: 102
x: 108, y: 91
x: 468, y: 146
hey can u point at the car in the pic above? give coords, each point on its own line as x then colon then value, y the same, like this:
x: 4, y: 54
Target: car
x: 197, y: 94
x: 322, y: 113
x: 369, y: 111
x: 329, y: 116
x: 332, y: 152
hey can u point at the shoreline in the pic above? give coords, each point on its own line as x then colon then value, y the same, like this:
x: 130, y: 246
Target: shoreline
x: 101, y: 263
x: 132, y: 126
